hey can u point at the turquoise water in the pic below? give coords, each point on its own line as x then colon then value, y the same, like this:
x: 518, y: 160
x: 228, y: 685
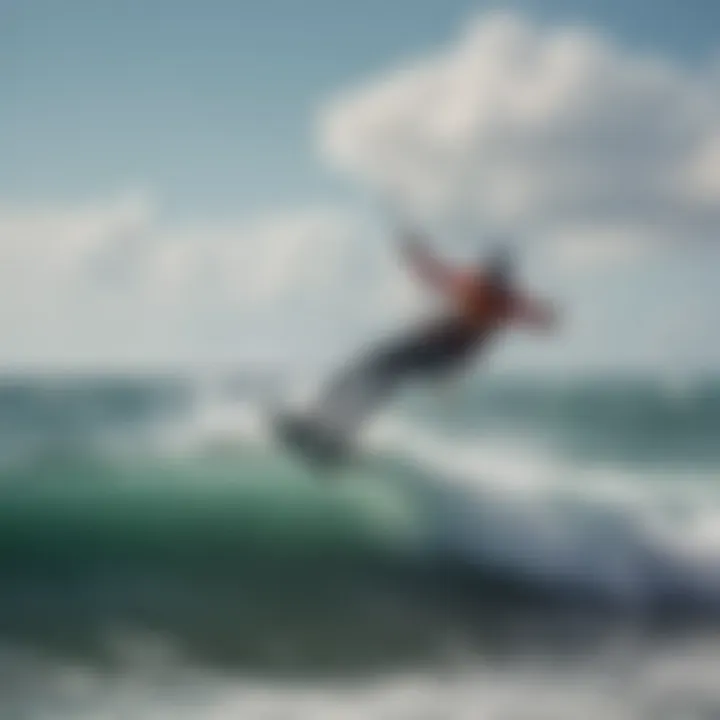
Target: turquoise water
x: 481, y: 521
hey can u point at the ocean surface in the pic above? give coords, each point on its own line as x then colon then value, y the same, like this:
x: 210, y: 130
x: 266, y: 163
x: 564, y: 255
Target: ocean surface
x: 504, y: 548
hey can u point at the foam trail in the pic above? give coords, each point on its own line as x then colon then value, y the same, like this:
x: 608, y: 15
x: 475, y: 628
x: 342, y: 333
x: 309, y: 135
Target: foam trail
x: 605, y: 528
x: 511, y: 501
x: 621, y: 681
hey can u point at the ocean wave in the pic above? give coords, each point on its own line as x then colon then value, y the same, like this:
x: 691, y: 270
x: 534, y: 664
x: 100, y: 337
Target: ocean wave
x: 206, y: 526
x: 636, y: 537
x: 150, y: 680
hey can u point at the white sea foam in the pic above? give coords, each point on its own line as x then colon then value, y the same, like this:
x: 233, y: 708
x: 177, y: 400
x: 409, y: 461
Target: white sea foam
x: 632, y: 534
x: 623, y: 679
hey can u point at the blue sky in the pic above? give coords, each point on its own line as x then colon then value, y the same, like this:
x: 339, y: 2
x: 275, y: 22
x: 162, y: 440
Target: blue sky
x: 212, y: 108
x: 213, y: 103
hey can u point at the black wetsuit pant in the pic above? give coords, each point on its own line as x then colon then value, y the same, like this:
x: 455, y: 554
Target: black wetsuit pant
x: 431, y: 350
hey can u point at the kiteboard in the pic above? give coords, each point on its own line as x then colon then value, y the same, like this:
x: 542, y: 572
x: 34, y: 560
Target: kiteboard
x: 307, y: 437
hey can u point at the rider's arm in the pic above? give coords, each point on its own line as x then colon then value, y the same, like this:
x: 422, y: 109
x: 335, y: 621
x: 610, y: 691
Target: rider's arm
x: 427, y: 266
x: 534, y: 313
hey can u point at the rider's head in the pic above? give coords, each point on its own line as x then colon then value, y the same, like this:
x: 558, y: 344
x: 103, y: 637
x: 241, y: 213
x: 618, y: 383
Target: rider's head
x: 499, y: 265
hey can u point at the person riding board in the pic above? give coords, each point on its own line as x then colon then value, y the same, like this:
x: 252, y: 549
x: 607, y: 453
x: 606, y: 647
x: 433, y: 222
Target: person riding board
x: 481, y: 302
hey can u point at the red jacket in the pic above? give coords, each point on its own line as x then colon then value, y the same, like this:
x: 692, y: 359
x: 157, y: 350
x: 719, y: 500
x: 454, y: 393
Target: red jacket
x: 475, y: 297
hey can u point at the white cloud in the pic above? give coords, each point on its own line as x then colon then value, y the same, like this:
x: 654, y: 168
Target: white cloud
x: 111, y: 282
x: 557, y: 135
x: 547, y: 133
x: 40, y: 246
x: 703, y: 176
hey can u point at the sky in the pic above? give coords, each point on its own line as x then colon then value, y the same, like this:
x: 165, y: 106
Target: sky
x: 188, y: 182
